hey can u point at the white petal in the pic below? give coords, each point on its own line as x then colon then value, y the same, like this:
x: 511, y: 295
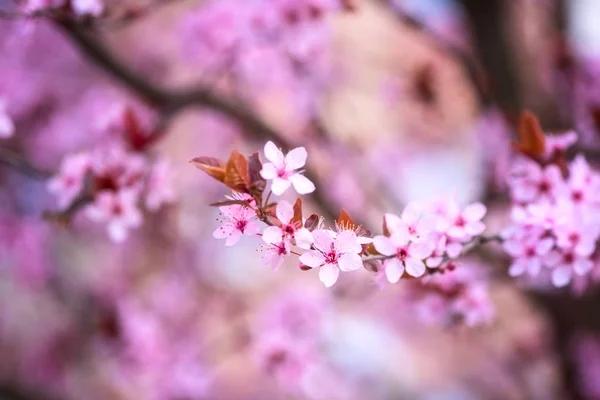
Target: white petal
x: 553, y: 258
x: 561, y: 276
x: 414, y: 267
x: 517, y: 268
x: 474, y: 212
x: 394, y: 270
x: 475, y: 228
x: 7, y: 127
x: 117, y: 232
x: 304, y: 238
x: 350, y: 262
x: 453, y: 250
x: 312, y: 259
x: 233, y: 238
x: 582, y: 266
x: 273, y: 154
x: 434, y: 262
x: 323, y: 239
x: 534, y: 266
x: 279, y: 186
x: 302, y: 184
x: 284, y: 212
x: 272, y: 235
x: 384, y: 245
x: 544, y: 246
x: 295, y: 159
x: 421, y: 250
x: 585, y: 248
x: 514, y: 248
x: 328, y: 274
x: 268, y: 171
x: 411, y: 213
x: 346, y: 242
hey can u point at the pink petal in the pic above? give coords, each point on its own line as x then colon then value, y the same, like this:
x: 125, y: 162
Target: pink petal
x: 312, y: 259
x: 553, y: 258
x: 517, y: 268
x: 328, y: 274
x: 252, y: 228
x: 582, y: 266
x: 474, y: 212
x: 7, y: 127
x: 544, y: 246
x: 350, y: 262
x: 411, y: 213
x: 585, y: 248
x: 280, y: 185
x: 384, y: 245
x: 434, y: 262
x: 272, y: 235
x: 534, y: 266
x: 514, y: 248
x: 346, y: 242
x: 475, y: 228
x: 233, y: 238
x: 453, y: 250
x: 276, y: 261
x: 323, y: 239
x: 414, y: 267
x: 295, y: 159
x: 117, y: 232
x: 304, y: 238
x: 394, y: 270
x: 268, y: 171
x: 302, y: 184
x: 273, y: 154
x: 421, y: 250
x: 561, y: 276
x: 284, y: 212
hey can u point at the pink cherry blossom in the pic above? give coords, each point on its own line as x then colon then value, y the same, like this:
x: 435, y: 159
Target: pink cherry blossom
x: 583, y: 186
x: 564, y: 264
x: 528, y: 254
x: 463, y: 225
x: 285, y: 171
x: 159, y: 189
x: 68, y: 183
x: 275, y: 253
x: 418, y: 224
x: 287, y: 232
x: 7, y: 126
x: 409, y: 255
x: 237, y: 221
x: 333, y: 252
x: 559, y: 143
x: 118, y: 210
x: 529, y: 182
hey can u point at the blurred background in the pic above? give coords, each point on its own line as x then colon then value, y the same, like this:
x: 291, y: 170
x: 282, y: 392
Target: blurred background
x: 395, y: 100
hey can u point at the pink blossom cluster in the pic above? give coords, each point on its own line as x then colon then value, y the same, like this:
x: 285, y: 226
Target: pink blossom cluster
x: 113, y: 185
x: 93, y: 8
x: 452, y: 295
x: 423, y: 238
x: 420, y: 240
x: 555, y: 216
x: 286, y: 342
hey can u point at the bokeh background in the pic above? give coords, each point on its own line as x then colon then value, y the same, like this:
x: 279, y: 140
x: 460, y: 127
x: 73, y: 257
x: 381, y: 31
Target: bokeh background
x: 394, y: 100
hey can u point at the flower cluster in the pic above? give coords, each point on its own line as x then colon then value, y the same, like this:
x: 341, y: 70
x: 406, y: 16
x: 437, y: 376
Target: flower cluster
x: 417, y: 242
x: 452, y: 296
x: 112, y: 183
x: 555, y: 214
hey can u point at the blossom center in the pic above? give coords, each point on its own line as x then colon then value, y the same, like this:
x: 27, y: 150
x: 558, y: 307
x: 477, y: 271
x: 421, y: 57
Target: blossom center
x: 331, y: 257
x: 530, y: 252
x: 402, y: 253
x: 460, y: 221
x: 282, y: 173
x: 288, y: 230
x: 577, y: 195
x: 569, y: 258
x: 544, y: 186
x: 241, y: 225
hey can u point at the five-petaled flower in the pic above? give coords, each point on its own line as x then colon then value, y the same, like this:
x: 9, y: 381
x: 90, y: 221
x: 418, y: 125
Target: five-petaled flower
x: 285, y: 171
x: 119, y: 210
x: 332, y: 253
x: 287, y: 231
x: 238, y: 220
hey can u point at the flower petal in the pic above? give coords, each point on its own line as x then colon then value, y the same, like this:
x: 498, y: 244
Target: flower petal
x: 268, y: 171
x: 582, y: 266
x: 295, y: 159
x: 394, y: 270
x: 421, y: 250
x: 323, y: 239
x: 312, y: 259
x: 304, y: 238
x: 284, y: 212
x: 475, y: 228
x: 411, y: 213
x: 453, y: 250
x: 474, y: 212
x: 517, y: 268
x: 414, y: 267
x: 347, y: 242
x: 384, y: 245
x: 272, y: 235
x: 544, y: 246
x: 280, y: 185
x: 350, y: 262
x: 561, y: 276
x: 302, y: 184
x: 328, y: 274
x: 273, y: 154
x: 233, y: 238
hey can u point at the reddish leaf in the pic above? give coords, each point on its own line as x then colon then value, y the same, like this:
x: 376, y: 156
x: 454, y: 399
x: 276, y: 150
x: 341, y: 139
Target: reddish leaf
x: 370, y: 249
x: 532, y: 141
x: 236, y: 172
x: 386, y: 229
x: 297, y: 219
x: 349, y: 5
x: 371, y: 266
x: 135, y: 134
x: 312, y: 222
x: 257, y: 183
x: 211, y: 166
x: 230, y: 203
x: 304, y: 267
x: 345, y: 221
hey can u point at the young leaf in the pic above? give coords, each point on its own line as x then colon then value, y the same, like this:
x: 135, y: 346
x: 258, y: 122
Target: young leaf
x: 312, y: 222
x: 211, y: 166
x: 257, y: 183
x: 345, y: 221
x: 532, y: 141
x: 236, y: 172
x: 297, y: 218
